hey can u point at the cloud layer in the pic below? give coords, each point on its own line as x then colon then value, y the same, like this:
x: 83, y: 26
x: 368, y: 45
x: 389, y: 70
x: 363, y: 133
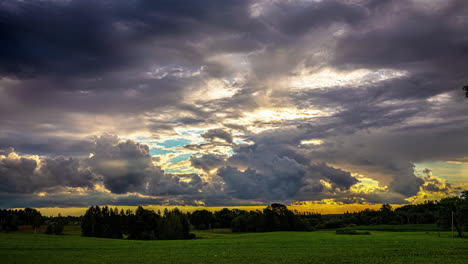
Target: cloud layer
x: 90, y: 89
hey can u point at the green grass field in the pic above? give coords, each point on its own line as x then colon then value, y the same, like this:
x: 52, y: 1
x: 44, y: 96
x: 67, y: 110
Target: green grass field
x: 400, y: 228
x: 221, y: 246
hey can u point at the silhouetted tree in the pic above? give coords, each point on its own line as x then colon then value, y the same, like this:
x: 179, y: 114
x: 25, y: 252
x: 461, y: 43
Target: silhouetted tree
x: 58, y: 225
x: 144, y: 225
x: 276, y: 217
x: 224, y: 217
x: 202, y: 219
x: 458, y: 206
x: 34, y: 218
x: 50, y: 229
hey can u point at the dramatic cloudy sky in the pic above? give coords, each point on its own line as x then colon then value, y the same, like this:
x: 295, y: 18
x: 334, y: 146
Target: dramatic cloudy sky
x: 232, y: 102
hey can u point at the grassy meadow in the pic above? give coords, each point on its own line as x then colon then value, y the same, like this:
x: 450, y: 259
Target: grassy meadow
x: 221, y: 246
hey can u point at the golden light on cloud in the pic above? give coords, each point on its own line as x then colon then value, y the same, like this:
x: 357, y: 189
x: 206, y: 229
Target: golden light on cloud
x: 101, y: 188
x: 280, y: 114
x: 463, y: 160
x: 366, y: 185
x: 326, y: 184
x: 212, y: 89
x: 328, y: 77
x: 266, y: 117
x: 312, y: 142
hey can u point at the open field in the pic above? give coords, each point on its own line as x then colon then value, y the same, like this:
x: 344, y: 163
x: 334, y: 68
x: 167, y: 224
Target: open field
x: 401, y: 228
x: 221, y: 246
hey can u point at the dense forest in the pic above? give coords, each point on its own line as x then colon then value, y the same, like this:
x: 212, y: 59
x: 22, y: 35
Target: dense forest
x: 143, y: 224
x: 174, y: 224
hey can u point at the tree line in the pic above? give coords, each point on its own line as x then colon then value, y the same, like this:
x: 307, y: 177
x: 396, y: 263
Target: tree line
x: 173, y: 224
x: 430, y: 212
x: 10, y: 220
x: 276, y: 217
x: 425, y: 213
x: 142, y: 225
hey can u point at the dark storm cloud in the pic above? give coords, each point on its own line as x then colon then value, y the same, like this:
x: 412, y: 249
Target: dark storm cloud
x: 126, y: 58
x: 43, y: 37
x: 124, y: 166
x: 170, y: 185
x: 298, y: 19
x: 63, y: 171
x: 272, y: 174
x: 120, y: 166
x: 89, y: 37
x: 244, y: 185
x: 207, y: 162
x: 39, y: 145
x: 341, y: 179
x: 16, y: 174
x: 23, y: 175
x: 389, y: 156
x: 217, y: 133
x: 70, y: 69
x: 71, y: 199
x: 416, y: 38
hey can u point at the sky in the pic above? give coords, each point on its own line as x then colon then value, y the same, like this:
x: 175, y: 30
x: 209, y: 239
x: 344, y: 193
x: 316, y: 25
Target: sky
x: 232, y: 102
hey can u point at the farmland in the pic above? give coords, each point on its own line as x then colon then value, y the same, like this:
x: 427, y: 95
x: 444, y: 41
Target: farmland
x: 222, y: 246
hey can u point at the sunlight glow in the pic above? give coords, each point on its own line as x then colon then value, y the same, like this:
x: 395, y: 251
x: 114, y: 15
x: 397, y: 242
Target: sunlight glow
x: 312, y: 142
x: 328, y: 77
x: 213, y: 89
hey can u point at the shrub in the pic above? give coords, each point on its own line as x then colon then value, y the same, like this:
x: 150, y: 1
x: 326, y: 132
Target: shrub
x: 333, y: 223
x: 49, y: 229
x: 58, y: 228
x: 350, y: 231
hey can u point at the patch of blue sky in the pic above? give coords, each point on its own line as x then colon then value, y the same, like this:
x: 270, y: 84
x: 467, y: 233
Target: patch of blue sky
x: 144, y: 140
x: 161, y: 151
x: 182, y: 157
x: 240, y: 141
x: 453, y: 172
x: 192, y: 132
x: 175, y: 143
x: 180, y: 170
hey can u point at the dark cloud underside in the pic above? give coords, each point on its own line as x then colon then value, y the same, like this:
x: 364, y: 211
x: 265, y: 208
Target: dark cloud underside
x: 87, y: 86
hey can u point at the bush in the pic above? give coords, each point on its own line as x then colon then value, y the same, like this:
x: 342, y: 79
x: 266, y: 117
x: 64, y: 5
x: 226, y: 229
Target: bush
x: 58, y: 229
x: 49, y: 229
x: 350, y: 231
x: 54, y: 229
x: 333, y: 223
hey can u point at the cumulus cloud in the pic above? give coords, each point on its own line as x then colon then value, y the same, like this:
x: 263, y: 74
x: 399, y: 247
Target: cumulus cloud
x: 127, y: 167
x: 221, y: 134
x: 124, y: 166
x: 121, y: 167
x: 30, y: 174
x: 207, y: 162
x: 435, y: 184
x: 16, y: 173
